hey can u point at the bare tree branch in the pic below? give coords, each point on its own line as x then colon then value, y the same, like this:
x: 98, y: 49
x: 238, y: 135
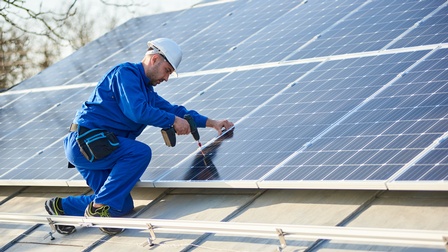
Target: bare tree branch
x: 128, y: 6
x: 49, y: 21
x: 131, y: 4
x: 34, y: 36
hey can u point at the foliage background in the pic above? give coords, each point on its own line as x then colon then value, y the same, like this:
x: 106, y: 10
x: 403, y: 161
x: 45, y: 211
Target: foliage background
x: 37, y: 33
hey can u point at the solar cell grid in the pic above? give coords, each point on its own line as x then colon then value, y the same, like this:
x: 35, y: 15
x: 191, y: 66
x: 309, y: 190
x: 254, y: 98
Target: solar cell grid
x: 346, y: 118
x: 236, y: 95
x: 27, y: 108
x: 363, y: 140
x: 234, y: 28
x: 369, y: 28
x: 8, y: 99
x: 181, y: 27
x: 289, y: 31
x: 30, y: 137
x: 433, y: 166
x: 115, y: 47
x: 48, y: 165
x: 434, y: 30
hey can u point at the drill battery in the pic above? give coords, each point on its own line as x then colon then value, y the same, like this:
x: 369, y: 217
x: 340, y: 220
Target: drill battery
x: 169, y: 136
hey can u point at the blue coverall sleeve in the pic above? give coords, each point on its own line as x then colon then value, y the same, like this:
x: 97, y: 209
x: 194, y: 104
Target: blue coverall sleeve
x: 142, y: 105
x: 136, y: 101
x: 180, y: 111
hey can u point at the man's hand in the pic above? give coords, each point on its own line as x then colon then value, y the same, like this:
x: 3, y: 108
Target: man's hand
x: 181, y: 126
x: 218, y: 125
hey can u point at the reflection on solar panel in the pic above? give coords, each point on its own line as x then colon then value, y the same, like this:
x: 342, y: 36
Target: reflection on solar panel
x: 324, y: 94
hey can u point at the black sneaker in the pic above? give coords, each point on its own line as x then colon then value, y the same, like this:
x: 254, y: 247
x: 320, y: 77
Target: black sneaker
x: 102, y: 211
x: 54, y: 207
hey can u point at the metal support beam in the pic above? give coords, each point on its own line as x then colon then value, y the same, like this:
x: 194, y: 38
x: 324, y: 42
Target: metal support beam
x: 445, y: 240
x: 152, y: 236
x: 53, y: 229
x: 281, y: 237
x: 435, y: 238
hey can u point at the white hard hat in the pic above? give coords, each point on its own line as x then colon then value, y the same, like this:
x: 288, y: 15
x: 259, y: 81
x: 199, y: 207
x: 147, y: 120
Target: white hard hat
x: 168, y: 48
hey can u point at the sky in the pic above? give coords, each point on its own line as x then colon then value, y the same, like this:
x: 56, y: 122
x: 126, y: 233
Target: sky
x: 147, y: 7
x: 96, y: 9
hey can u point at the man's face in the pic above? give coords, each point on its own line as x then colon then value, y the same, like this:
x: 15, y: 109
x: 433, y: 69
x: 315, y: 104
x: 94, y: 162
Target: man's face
x: 160, y: 70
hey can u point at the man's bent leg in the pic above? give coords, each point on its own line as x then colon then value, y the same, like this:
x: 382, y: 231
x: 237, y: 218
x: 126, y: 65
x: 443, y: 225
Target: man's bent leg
x: 126, y: 172
x: 76, y: 205
x: 126, y: 163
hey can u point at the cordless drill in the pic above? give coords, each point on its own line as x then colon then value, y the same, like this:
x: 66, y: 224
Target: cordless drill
x: 169, y: 134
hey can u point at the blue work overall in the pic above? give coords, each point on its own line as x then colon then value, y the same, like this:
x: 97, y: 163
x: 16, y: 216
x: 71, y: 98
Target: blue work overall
x: 123, y: 103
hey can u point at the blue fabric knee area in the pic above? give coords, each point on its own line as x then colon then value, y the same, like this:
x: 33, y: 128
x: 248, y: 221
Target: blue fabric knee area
x: 142, y: 154
x: 142, y: 149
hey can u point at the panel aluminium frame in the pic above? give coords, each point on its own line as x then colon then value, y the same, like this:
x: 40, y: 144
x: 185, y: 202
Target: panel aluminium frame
x: 435, y: 238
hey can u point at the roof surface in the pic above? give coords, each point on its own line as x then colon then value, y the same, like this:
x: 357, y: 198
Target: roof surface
x: 395, y: 210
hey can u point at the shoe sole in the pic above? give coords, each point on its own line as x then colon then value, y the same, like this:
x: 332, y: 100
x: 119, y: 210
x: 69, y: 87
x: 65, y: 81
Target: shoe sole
x: 106, y: 230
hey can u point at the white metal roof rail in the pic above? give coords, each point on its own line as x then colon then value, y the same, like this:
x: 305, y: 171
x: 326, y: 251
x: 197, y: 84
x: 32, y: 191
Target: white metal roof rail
x: 374, y: 235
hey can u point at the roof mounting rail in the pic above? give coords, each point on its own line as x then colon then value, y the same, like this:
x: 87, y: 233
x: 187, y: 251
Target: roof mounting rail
x: 373, y: 235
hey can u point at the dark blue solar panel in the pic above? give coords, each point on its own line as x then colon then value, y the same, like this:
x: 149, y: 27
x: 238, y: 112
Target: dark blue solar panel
x: 433, y: 166
x: 300, y: 114
x: 33, y: 142
x: 385, y: 134
x: 434, y: 30
x: 290, y: 30
x: 370, y: 28
x: 240, y: 25
x: 236, y: 95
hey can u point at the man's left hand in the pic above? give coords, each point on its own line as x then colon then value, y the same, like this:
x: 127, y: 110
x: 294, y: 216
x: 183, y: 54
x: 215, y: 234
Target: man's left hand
x: 218, y: 125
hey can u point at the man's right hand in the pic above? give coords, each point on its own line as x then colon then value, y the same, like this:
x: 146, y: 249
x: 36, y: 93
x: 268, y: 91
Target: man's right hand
x: 181, y: 126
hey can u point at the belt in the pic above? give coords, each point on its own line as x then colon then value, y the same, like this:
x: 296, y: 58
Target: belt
x: 78, y: 128
x: 73, y: 127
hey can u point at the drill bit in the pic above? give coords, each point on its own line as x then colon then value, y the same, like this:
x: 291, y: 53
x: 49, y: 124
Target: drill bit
x: 200, y: 148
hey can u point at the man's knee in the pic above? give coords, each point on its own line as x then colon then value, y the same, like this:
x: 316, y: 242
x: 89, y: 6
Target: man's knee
x: 142, y: 152
x: 145, y: 150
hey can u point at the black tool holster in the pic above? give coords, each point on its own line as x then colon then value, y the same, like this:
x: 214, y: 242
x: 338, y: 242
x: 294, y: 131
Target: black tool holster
x: 96, y: 144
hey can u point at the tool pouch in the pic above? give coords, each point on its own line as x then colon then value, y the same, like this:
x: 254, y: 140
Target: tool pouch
x: 96, y: 144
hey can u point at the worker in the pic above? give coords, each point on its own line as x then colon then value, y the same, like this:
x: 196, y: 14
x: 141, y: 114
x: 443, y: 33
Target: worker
x: 102, y: 141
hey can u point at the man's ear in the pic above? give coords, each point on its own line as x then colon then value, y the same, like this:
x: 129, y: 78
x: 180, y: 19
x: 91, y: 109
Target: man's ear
x: 153, y: 59
x: 157, y: 58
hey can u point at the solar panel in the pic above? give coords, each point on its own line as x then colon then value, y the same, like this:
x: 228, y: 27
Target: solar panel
x: 384, y: 135
x: 32, y: 144
x: 323, y: 94
x: 369, y: 28
x: 289, y: 31
x: 433, y: 29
